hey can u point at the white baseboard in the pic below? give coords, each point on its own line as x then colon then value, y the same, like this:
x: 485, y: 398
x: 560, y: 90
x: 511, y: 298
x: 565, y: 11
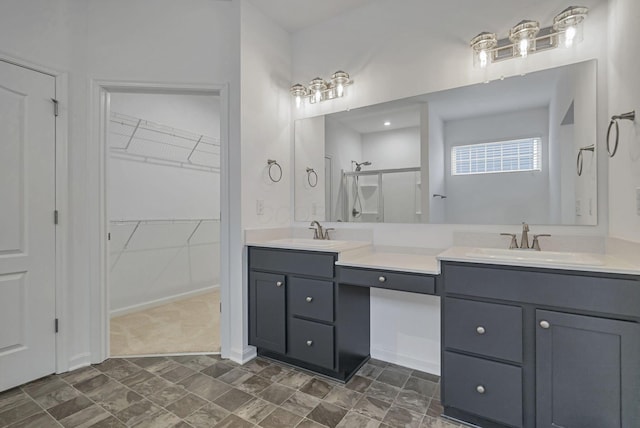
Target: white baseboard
x: 432, y: 367
x: 243, y: 356
x: 79, y: 361
x: 159, y: 302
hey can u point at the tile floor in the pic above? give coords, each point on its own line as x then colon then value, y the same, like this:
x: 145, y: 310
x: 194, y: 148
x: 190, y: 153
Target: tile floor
x: 205, y: 391
x: 184, y: 326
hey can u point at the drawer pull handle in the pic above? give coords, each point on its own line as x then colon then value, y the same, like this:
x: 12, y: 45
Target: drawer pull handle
x: 279, y: 284
x: 545, y: 324
x: 382, y: 279
x: 309, y: 342
x: 309, y: 299
x: 480, y: 389
x: 480, y: 330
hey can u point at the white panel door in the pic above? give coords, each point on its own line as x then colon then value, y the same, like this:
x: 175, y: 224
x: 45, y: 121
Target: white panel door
x: 27, y: 232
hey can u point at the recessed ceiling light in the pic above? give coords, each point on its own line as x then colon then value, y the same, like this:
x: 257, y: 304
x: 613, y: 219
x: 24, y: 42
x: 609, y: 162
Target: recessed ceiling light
x: 387, y: 123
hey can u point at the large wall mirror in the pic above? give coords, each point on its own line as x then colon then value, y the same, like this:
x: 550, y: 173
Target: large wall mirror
x: 512, y: 150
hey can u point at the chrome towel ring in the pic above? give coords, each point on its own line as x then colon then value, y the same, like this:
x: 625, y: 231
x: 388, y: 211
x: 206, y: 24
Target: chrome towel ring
x: 579, y: 160
x: 272, y: 163
x: 312, y: 177
x: 614, y: 121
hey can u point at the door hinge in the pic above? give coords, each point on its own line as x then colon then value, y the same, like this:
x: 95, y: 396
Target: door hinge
x: 55, y: 217
x: 109, y: 236
x: 220, y: 307
x: 55, y: 107
x: 57, y: 325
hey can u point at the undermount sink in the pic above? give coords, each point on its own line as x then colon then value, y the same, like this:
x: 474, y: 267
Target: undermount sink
x: 519, y: 255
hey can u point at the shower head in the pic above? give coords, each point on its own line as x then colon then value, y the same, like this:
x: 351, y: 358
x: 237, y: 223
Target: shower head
x: 360, y: 164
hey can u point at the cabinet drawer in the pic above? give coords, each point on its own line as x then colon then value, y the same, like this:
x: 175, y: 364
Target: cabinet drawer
x: 414, y: 283
x: 311, y: 298
x: 311, y: 342
x: 292, y: 262
x: 488, y: 389
x: 487, y: 329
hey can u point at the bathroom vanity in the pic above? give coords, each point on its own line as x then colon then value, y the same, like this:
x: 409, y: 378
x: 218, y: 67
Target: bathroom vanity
x: 526, y: 342
x: 518, y: 341
x: 305, y: 310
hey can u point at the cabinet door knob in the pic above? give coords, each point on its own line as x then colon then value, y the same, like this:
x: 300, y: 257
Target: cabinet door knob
x: 309, y: 299
x: 545, y: 324
x: 309, y: 342
x: 480, y: 330
x: 480, y: 389
x: 279, y: 284
x: 382, y: 279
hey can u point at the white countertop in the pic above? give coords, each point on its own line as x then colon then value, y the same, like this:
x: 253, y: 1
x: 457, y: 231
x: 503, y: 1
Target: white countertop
x: 427, y: 261
x: 395, y: 261
x: 326, y: 246
x: 588, y: 262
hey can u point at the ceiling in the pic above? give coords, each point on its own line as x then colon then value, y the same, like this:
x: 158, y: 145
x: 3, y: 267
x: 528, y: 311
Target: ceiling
x: 294, y: 15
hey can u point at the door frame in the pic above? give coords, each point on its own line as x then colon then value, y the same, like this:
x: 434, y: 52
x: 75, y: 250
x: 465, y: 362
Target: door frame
x: 99, y: 304
x: 61, y: 187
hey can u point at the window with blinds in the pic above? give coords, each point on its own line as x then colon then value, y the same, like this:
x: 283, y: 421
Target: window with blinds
x: 492, y: 158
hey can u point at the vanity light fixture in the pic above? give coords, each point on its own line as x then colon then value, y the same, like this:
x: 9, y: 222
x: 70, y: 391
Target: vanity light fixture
x: 527, y: 37
x: 387, y: 123
x: 320, y: 90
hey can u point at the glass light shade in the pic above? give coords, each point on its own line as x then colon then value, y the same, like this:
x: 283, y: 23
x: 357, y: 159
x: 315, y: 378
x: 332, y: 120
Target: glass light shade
x: 568, y: 25
x: 317, y: 87
x: 483, y: 45
x: 298, y: 92
x: 339, y: 80
x: 523, y: 37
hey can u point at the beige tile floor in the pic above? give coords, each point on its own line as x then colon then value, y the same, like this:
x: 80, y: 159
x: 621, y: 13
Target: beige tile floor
x: 184, y: 326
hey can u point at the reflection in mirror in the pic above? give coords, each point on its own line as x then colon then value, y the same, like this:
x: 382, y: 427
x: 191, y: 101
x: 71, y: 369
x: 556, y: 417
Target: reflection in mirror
x: 497, y: 153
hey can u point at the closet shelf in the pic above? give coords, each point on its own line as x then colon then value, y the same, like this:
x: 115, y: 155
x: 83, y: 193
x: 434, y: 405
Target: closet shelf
x: 145, y: 141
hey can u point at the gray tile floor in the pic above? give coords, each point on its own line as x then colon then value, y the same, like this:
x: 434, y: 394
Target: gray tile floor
x: 205, y: 391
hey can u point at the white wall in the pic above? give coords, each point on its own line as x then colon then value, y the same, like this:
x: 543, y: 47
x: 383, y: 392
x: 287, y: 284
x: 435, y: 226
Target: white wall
x: 152, y: 41
x: 522, y: 195
x: 404, y: 51
x: 266, y: 134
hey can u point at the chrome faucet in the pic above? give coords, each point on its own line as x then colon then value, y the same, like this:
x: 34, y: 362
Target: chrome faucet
x: 524, y: 241
x: 319, y: 232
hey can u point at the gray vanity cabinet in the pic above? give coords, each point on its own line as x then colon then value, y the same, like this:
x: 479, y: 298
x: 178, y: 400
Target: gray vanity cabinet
x: 267, y: 314
x: 587, y: 371
x: 299, y: 315
x: 540, y: 348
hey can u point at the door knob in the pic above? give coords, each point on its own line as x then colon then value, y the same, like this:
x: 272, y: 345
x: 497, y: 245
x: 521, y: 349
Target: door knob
x: 279, y: 284
x: 480, y: 330
x: 545, y: 324
x: 382, y: 279
x: 480, y: 389
x: 309, y: 342
x: 309, y: 299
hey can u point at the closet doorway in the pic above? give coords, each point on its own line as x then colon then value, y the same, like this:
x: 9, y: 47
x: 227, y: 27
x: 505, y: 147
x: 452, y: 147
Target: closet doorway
x: 163, y: 204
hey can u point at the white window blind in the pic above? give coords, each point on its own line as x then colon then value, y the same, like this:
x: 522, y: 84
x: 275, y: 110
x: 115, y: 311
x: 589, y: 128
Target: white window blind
x: 492, y: 158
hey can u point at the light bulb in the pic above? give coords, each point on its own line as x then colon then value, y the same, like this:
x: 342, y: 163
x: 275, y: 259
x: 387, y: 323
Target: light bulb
x: 340, y: 89
x: 569, y: 36
x: 318, y: 96
x: 524, y: 47
x: 298, y: 101
x: 484, y: 58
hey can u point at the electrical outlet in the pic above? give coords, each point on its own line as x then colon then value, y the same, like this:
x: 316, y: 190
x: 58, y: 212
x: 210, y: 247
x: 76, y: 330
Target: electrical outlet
x: 260, y: 207
x: 578, y: 208
x: 314, y: 208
